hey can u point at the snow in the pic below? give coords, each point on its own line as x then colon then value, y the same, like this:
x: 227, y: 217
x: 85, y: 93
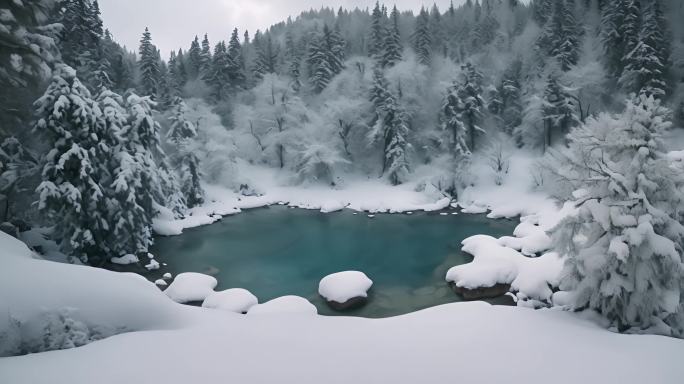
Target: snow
x: 191, y: 286
x: 286, y: 305
x: 343, y: 286
x: 430, y: 346
x: 125, y: 260
x: 494, y: 263
x: 161, y: 283
x: 236, y: 300
x: 167, y: 276
x: 152, y: 265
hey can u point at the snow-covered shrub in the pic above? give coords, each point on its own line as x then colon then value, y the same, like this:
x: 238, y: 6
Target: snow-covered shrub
x: 624, y: 246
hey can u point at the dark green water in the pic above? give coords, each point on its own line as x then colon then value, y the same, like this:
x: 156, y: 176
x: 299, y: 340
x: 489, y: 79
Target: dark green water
x: 279, y: 251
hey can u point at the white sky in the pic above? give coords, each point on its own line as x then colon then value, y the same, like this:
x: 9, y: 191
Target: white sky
x: 174, y: 23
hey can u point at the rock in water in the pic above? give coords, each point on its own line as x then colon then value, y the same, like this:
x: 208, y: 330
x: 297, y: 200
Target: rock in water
x: 480, y: 293
x: 345, y: 290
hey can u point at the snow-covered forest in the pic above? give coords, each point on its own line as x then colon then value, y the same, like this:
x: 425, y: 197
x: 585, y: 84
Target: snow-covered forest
x: 102, y: 146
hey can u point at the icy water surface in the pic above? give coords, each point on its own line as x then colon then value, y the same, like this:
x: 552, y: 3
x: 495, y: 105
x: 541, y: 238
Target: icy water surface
x: 279, y: 251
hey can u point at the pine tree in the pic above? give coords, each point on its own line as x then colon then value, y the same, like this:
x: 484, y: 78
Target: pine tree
x: 617, y: 31
x: 470, y: 104
x: 376, y: 40
x: 326, y: 58
x: 219, y: 77
x: 205, y: 58
x: 559, y: 110
x: 511, y: 96
x: 150, y: 75
x: 452, y: 121
x: 647, y: 62
x: 182, y: 134
x: 561, y: 36
x: 542, y: 10
x: 437, y: 32
x: 292, y: 55
x: 236, y: 62
x: 392, y: 48
x: 422, y: 41
x: 70, y: 191
x: 624, y: 246
x: 194, y: 59
x: 130, y: 223
x: 266, y: 56
x: 391, y: 125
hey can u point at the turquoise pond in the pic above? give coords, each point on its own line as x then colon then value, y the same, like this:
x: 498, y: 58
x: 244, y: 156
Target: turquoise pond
x: 279, y: 251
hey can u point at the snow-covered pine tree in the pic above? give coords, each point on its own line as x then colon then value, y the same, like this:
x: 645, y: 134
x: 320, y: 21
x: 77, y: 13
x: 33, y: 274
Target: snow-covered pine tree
x: 266, y: 60
x: 28, y: 50
x: 376, y: 39
x: 194, y: 59
x: 647, y: 61
x: 391, y: 125
x: 392, y: 48
x: 470, y: 103
x: 438, y: 32
x: 561, y: 35
x: 219, y: 77
x: 624, y: 246
x: 182, y: 135
x: 559, y: 110
x: 236, y: 61
x: 70, y: 192
x: 130, y: 223
x: 511, y: 96
x: 205, y: 58
x: 542, y: 10
x: 150, y: 75
x: 422, y: 41
x: 616, y: 31
x: 17, y: 165
x: 325, y: 58
x: 452, y: 122
x: 293, y: 58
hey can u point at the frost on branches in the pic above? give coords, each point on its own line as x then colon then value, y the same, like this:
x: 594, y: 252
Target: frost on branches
x: 624, y: 246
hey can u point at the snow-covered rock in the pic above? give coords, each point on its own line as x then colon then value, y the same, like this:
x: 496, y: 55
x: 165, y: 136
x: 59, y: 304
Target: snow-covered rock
x: 332, y: 206
x: 236, y: 300
x: 152, y: 265
x: 161, y: 283
x: 167, y: 276
x: 191, y: 286
x: 344, y: 290
x: 290, y: 305
x: 125, y: 260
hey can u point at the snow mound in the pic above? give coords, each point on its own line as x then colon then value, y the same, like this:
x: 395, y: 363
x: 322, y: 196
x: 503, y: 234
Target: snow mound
x: 153, y: 265
x: 332, y: 206
x: 290, y: 305
x: 125, y: 260
x: 236, y: 300
x: 343, y: 286
x: 495, y: 263
x: 160, y: 283
x: 191, y: 286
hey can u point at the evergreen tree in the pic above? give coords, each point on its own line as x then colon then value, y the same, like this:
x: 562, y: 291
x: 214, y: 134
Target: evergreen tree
x: 542, y: 10
x: 150, y: 75
x: 182, y: 134
x: 376, y: 40
x: 559, y: 110
x: 617, y: 30
x: 647, y: 62
x: 452, y: 121
x: 392, y: 48
x: 422, y: 41
x: 266, y: 56
x: 205, y: 58
x: 236, y: 61
x: 469, y: 105
x: 70, y: 191
x: 437, y: 32
x: 326, y: 58
x: 624, y: 246
x: 194, y: 59
x: 292, y: 55
x: 219, y: 78
x: 130, y: 223
x: 391, y: 125
x: 511, y: 96
x: 561, y: 36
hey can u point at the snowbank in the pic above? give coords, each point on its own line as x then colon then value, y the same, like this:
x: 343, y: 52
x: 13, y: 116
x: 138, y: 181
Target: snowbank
x: 477, y: 342
x: 286, y: 305
x: 236, y: 300
x: 343, y: 286
x: 125, y: 260
x: 494, y: 263
x: 191, y: 286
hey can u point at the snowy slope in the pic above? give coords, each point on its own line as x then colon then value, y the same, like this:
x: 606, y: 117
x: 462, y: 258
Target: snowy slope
x: 468, y: 342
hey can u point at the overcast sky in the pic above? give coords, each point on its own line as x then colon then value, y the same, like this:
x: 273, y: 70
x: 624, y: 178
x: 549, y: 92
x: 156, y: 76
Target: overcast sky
x: 174, y: 23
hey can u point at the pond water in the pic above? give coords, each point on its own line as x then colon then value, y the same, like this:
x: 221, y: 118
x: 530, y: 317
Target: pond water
x: 278, y: 251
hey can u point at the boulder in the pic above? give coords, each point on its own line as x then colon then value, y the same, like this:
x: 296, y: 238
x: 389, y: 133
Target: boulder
x: 480, y: 293
x: 236, y: 300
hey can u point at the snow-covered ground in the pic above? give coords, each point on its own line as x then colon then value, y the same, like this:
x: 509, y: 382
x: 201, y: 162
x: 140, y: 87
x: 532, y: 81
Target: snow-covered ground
x: 154, y: 339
